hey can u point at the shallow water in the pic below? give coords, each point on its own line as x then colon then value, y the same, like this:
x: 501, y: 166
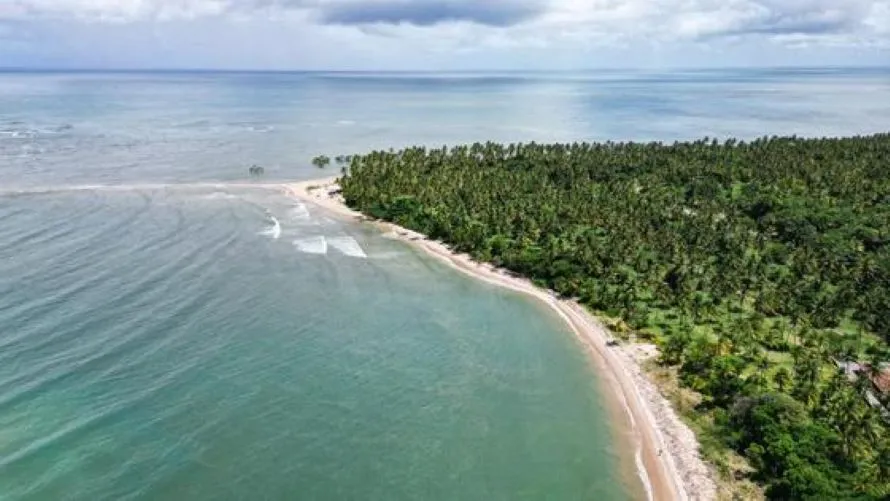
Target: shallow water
x: 182, y: 343
x: 168, y: 331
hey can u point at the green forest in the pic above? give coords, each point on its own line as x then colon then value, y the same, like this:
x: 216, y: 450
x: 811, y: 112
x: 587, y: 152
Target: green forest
x: 756, y: 267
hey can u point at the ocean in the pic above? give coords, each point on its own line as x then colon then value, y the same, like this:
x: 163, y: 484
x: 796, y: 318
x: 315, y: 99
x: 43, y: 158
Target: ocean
x: 172, y: 329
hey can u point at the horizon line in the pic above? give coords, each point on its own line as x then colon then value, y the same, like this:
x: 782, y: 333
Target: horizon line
x: 49, y: 69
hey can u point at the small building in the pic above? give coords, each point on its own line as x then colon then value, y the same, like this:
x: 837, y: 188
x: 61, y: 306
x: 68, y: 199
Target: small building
x: 850, y: 369
x: 880, y: 381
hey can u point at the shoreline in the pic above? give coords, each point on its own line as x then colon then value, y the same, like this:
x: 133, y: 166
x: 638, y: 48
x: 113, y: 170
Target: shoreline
x: 666, y: 455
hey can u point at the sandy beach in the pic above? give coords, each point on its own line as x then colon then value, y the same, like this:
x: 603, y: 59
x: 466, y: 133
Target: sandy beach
x: 666, y: 456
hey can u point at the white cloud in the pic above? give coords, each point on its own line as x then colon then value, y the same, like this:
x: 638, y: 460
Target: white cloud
x: 116, y: 10
x: 432, y: 32
x: 694, y: 19
x: 879, y: 18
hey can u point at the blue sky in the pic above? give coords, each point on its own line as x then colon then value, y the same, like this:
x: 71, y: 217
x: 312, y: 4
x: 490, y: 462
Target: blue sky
x: 441, y: 34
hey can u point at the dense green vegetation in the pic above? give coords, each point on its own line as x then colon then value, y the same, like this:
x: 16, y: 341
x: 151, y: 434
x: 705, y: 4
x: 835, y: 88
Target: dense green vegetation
x: 321, y: 161
x: 753, y: 265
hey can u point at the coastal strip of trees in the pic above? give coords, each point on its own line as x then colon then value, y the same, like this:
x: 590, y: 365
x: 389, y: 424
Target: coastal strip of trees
x: 760, y: 268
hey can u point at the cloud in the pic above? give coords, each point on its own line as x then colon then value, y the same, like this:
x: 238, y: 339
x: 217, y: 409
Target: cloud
x: 669, y: 21
x: 430, y: 12
x: 773, y: 17
x: 443, y: 33
x: 879, y: 18
x: 688, y: 18
x: 334, y: 12
x: 114, y: 10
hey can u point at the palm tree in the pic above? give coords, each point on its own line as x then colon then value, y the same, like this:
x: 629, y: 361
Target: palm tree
x: 321, y: 161
x: 782, y: 378
x: 759, y: 245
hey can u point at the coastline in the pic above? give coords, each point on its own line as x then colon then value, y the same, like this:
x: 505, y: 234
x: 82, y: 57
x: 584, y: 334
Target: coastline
x: 666, y: 456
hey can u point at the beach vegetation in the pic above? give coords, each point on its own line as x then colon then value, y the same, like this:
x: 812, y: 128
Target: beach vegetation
x: 321, y: 161
x: 761, y: 269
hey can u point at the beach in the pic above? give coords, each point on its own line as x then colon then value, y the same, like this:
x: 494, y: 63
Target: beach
x: 666, y: 450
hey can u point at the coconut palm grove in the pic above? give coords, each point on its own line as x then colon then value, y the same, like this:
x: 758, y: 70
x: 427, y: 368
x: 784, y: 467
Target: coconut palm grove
x: 761, y: 270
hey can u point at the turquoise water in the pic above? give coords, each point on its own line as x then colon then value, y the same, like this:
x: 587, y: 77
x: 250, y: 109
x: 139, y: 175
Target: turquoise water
x: 170, y: 332
x: 162, y: 343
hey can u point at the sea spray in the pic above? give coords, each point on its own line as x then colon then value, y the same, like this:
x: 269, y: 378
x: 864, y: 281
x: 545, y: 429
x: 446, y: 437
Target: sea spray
x: 348, y: 246
x: 298, y: 213
x: 312, y: 245
x: 273, y: 231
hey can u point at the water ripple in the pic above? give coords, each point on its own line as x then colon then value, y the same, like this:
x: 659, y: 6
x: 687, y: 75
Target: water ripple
x: 140, y: 292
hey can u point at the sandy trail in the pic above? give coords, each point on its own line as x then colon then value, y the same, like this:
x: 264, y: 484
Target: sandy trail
x: 667, y: 458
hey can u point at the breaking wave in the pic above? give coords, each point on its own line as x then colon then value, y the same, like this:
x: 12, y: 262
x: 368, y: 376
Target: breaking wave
x: 312, y: 245
x: 273, y: 231
x: 299, y: 212
x: 348, y: 246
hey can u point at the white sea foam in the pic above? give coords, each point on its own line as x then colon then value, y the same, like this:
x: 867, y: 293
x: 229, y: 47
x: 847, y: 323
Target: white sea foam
x: 299, y: 212
x: 24, y: 190
x: 345, y: 122
x: 273, y: 231
x: 348, y: 246
x: 387, y: 255
x: 312, y: 245
x: 21, y: 131
x: 219, y: 195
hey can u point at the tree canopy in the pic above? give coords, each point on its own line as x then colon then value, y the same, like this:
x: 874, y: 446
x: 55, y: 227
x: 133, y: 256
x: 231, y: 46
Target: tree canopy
x: 753, y: 265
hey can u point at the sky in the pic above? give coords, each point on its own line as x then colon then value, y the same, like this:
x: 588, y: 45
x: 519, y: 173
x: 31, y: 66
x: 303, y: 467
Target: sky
x: 442, y: 34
